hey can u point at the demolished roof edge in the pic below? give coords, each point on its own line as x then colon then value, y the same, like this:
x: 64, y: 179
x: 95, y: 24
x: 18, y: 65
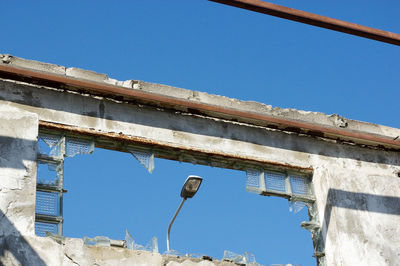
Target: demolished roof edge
x: 313, y: 118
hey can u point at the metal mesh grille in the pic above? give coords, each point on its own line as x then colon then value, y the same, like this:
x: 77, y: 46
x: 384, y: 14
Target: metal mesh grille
x: 74, y: 147
x: 253, y: 179
x: 275, y: 181
x: 41, y: 228
x: 47, y: 203
x: 49, y: 145
x: 50, y: 140
x: 300, y: 185
x: 145, y: 158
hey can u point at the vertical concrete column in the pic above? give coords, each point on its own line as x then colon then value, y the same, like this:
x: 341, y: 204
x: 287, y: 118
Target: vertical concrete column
x: 18, y: 138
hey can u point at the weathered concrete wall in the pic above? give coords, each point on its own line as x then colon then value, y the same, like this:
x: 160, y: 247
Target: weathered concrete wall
x: 18, y: 243
x: 18, y: 134
x: 357, y: 189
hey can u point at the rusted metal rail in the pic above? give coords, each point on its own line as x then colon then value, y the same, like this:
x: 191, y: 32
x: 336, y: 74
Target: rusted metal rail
x: 314, y: 19
x: 121, y: 93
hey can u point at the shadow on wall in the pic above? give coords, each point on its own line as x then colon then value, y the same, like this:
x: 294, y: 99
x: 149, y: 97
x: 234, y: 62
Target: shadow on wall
x: 9, y: 148
x: 361, y: 202
x: 11, y: 241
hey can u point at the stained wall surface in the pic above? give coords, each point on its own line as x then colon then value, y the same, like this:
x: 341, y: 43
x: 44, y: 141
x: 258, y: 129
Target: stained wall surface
x: 356, y: 188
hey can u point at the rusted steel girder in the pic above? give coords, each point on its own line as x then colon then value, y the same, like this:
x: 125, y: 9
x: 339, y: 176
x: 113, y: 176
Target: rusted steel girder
x: 314, y: 19
x: 121, y: 93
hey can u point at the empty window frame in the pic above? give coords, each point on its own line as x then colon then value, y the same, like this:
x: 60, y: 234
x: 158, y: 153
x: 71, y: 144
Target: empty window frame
x: 49, y: 184
x: 295, y: 186
x: 52, y: 149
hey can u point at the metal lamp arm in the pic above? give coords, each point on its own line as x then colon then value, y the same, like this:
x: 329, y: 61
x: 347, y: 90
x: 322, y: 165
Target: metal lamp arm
x: 173, y: 219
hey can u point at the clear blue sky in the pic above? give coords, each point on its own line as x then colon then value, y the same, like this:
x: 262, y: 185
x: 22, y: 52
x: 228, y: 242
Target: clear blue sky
x: 217, y: 49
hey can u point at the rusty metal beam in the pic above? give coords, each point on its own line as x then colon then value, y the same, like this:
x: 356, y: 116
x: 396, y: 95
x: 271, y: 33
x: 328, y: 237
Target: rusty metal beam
x: 314, y: 19
x: 121, y: 93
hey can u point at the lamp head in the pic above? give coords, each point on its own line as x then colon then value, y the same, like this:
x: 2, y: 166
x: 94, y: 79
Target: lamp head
x: 191, y: 186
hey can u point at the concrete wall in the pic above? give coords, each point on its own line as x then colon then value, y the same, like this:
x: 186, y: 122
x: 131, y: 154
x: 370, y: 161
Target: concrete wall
x: 357, y: 188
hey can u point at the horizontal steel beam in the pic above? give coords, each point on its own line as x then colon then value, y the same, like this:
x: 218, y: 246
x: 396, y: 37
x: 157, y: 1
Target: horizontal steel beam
x: 121, y: 93
x: 314, y: 19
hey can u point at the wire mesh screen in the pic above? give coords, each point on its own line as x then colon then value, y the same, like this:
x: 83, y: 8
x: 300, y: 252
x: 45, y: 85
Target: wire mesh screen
x: 253, y: 180
x: 300, y: 185
x: 275, y: 181
x: 41, y: 228
x: 75, y: 146
x: 49, y: 145
x: 145, y: 158
x: 295, y: 187
x: 47, y: 203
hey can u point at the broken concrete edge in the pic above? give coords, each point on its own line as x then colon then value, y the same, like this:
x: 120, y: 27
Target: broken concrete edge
x: 120, y: 245
x: 314, y: 118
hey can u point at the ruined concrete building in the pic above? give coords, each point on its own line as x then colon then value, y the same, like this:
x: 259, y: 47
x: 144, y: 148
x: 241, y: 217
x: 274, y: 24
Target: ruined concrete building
x: 346, y: 172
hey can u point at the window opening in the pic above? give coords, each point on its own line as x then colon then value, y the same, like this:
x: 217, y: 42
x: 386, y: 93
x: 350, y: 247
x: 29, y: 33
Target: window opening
x: 49, y: 185
x: 298, y: 190
x: 52, y: 149
x: 293, y: 186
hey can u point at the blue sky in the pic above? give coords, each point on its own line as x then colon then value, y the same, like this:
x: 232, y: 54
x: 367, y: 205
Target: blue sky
x: 209, y: 47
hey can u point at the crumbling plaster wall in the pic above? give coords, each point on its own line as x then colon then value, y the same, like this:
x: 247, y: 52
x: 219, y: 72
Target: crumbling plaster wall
x: 357, y: 189
x: 18, y: 243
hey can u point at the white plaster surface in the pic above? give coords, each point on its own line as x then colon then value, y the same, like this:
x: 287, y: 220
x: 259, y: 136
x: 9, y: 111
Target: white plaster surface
x: 18, y: 133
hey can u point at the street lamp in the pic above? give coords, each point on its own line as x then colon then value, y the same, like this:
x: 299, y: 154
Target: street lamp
x: 189, y: 189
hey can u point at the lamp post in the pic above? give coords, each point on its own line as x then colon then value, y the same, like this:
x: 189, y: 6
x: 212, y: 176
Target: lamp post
x: 189, y: 189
